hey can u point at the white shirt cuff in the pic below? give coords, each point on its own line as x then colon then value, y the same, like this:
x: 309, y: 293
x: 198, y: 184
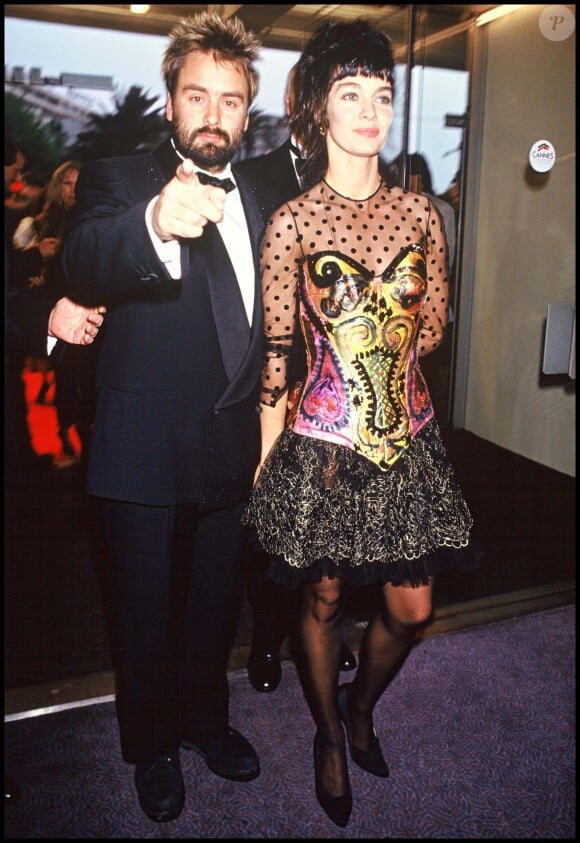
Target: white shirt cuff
x: 168, y: 251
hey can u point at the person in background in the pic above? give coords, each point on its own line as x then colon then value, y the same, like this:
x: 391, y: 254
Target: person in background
x: 28, y: 324
x: 276, y: 177
x: 356, y: 487
x: 38, y: 241
x: 40, y: 236
x: 420, y: 181
x: 32, y: 326
x: 14, y: 163
x: 452, y: 194
x: 29, y: 196
x: 169, y: 240
x: 436, y: 367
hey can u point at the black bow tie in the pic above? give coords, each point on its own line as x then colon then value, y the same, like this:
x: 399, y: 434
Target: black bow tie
x: 225, y: 184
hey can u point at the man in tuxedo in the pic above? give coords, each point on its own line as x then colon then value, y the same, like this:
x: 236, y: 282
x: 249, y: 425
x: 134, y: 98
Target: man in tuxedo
x: 276, y: 177
x: 175, y: 442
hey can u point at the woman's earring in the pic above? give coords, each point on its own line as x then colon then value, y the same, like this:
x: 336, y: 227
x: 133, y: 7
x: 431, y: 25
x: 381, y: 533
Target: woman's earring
x: 322, y: 131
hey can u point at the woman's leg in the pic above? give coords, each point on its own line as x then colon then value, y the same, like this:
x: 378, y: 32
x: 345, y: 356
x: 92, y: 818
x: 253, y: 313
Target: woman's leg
x: 320, y: 638
x: 386, y: 643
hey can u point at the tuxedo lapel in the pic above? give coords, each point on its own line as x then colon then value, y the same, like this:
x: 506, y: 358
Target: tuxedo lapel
x: 255, y: 222
x: 252, y: 211
x: 228, y: 308
x: 286, y: 174
x: 270, y: 179
x: 167, y: 159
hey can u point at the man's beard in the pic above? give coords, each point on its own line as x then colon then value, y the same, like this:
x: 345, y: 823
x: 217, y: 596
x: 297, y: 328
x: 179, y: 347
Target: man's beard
x: 209, y: 156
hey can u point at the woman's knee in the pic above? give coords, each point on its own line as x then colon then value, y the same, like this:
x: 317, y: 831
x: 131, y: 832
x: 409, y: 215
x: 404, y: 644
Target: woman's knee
x: 408, y: 608
x: 322, y: 601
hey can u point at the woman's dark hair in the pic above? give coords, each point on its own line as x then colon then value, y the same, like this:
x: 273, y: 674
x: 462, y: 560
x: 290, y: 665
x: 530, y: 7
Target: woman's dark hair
x: 335, y: 50
x: 11, y: 150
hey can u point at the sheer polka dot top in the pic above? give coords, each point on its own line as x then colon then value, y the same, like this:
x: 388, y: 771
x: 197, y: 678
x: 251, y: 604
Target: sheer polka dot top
x: 325, y: 257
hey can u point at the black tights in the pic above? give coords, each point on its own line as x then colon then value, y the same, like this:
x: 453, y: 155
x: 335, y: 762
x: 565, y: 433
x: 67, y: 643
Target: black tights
x: 387, y: 640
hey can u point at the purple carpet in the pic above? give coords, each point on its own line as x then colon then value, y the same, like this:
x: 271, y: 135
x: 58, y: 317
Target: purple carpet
x: 478, y: 728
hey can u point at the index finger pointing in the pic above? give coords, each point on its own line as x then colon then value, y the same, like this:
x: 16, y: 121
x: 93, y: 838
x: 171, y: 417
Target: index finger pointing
x: 185, y: 172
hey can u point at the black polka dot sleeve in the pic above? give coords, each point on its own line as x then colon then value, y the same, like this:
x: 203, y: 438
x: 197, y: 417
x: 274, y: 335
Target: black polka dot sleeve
x: 436, y: 306
x: 280, y: 265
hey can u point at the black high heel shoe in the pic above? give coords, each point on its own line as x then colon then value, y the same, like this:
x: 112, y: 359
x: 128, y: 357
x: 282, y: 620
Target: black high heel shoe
x: 337, y: 808
x: 372, y: 760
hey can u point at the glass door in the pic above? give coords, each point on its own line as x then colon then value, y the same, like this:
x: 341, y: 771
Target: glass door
x: 425, y: 153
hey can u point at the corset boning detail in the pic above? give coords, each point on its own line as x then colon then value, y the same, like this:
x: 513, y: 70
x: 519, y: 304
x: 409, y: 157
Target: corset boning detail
x: 364, y: 388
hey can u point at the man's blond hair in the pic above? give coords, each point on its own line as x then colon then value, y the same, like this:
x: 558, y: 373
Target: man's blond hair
x: 225, y: 40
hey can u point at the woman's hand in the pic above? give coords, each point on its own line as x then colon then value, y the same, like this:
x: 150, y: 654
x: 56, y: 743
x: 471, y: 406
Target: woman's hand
x: 36, y: 280
x: 48, y: 247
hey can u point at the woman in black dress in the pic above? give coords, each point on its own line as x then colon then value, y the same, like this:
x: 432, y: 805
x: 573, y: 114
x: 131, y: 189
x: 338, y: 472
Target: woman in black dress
x: 355, y: 486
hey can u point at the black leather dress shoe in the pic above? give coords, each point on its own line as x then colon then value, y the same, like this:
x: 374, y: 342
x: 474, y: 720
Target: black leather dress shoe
x: 160, y: 787
x: 264, y: 670
x: 347, y: 658
x: 372, y: 760
x: 231, y: 756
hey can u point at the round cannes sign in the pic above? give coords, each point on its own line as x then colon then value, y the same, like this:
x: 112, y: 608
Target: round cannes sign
x: 542, y: 156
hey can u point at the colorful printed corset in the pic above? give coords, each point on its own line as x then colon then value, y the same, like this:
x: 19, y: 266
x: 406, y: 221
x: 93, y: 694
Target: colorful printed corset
x: 364, y: 388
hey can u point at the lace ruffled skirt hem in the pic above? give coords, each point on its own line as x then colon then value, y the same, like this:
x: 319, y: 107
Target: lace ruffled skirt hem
x: 320, y: 509
x: 413, y: 572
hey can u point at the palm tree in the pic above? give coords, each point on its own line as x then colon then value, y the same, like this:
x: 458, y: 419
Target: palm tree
x: 43, y: 142
x: 132, y: 128
x: 262, y: 134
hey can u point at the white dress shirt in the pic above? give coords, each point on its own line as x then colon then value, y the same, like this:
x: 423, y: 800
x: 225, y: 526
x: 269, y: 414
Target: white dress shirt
x: 233, y: 230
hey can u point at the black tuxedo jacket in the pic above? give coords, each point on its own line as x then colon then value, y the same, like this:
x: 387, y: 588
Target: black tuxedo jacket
x: 179, y: 367
x: 273, y: 178
x: 274, y: 182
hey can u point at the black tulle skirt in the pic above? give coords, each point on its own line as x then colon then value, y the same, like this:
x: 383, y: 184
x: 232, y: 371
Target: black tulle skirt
x: 320, y: 509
